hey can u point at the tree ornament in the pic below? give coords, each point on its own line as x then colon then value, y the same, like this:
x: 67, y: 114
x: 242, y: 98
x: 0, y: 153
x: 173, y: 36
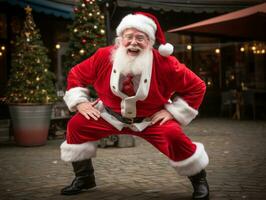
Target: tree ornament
x: 84, y: 41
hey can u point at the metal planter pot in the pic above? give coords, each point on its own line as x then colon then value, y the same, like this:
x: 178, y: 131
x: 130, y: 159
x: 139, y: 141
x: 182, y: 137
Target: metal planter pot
x: 30, y: 123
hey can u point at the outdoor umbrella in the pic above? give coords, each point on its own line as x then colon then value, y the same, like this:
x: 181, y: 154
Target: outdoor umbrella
x: 249, y: 23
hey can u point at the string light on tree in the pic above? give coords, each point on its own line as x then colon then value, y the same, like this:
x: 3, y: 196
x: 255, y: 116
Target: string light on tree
x: 81, y: 51
x: 58, y: 46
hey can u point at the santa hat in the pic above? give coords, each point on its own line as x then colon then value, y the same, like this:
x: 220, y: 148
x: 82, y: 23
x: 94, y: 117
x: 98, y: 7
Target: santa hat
x: 148, y: 24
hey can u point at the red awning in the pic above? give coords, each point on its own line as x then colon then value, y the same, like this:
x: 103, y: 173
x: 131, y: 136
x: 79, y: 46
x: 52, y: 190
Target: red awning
x: 247, y: 23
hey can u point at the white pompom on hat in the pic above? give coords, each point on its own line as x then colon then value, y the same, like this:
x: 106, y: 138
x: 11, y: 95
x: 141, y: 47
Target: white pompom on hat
x: 148, y: 24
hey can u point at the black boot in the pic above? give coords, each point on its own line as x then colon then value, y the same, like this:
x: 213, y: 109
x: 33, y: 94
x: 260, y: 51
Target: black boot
x: 200, y: 186
x: 84, y: 179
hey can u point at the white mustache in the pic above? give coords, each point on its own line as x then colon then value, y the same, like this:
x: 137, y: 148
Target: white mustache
x: 133, y: 48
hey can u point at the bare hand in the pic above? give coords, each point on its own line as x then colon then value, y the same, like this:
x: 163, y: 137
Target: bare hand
x: 88, y: 110
x: 162, y: 115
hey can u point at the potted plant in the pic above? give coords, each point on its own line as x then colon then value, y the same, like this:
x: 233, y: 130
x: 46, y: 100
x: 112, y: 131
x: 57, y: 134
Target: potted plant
x: 30, y: 91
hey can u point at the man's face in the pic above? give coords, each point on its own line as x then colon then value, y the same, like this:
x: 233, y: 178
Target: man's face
x: 134, y: 41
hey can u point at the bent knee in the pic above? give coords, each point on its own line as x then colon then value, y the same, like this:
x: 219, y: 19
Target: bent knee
x: 76, y: 123
x: 172, y: 131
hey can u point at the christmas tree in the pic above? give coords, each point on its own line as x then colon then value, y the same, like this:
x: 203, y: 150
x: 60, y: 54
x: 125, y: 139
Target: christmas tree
x: 87, y: 34
x: 30, y: 80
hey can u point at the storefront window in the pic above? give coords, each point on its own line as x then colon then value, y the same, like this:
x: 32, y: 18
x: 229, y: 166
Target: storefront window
x: 244, y: 65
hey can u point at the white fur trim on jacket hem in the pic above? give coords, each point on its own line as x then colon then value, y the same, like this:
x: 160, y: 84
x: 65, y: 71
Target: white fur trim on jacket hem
x: 181, y: 111
x: 194, y: 164
x: 75, y: 96
x: 77, y: 152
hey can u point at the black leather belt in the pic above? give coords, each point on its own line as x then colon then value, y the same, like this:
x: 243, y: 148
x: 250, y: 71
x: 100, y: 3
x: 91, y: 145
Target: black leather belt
x: 124, y: 119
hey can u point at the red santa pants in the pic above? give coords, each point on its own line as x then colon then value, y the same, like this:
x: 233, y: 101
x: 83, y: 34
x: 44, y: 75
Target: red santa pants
x: 167, y: 138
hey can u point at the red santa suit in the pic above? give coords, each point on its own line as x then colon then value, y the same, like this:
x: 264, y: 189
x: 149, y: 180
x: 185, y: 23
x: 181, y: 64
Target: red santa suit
x: 165, y: 76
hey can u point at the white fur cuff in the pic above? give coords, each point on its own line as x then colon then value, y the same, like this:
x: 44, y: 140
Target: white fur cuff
x: 75, y: 96
x: 77, y: 152
x: 194, y: 164
x: 181, y: 111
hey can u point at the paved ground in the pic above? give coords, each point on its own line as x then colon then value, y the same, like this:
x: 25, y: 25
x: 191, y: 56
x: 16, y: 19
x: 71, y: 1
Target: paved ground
x: 237, y: 167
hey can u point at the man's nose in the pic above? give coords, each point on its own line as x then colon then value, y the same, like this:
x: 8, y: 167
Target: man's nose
x: 134, y: 41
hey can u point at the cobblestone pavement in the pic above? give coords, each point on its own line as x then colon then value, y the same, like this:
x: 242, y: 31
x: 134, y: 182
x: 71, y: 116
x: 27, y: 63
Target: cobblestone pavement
x: 237, y: 167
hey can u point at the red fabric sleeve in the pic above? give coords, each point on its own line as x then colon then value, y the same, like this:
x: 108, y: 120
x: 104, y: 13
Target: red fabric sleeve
x: 187, y: 84
x: 84, y: 73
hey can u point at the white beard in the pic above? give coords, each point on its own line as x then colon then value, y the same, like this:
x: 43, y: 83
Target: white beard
x: 129, y: 64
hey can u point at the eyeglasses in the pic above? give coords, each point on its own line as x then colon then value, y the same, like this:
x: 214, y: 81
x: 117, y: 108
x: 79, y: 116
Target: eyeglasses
x: 138, y: 38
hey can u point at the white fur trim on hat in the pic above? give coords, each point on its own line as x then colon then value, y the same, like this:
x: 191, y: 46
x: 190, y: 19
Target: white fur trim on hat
x: 77, y: 152
x: 140, y: 22
x: 194, y: 164
x: 181, y: 111
x: 166, y: 49
x: 75, y: 96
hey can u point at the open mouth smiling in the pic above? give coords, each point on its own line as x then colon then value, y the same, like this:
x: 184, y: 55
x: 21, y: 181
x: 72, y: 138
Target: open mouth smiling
x: 133, y: 51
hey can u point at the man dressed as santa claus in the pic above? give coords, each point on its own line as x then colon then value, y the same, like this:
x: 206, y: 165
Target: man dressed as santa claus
x: 135, y: 84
